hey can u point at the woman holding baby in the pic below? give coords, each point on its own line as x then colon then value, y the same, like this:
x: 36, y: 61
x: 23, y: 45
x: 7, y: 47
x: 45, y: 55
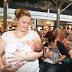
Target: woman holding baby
x: 21, y: 48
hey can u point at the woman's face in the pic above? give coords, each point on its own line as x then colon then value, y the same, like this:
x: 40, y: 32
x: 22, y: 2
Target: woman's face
x: 62, y: 36
x: 55, y: 42
x: 23, y: 23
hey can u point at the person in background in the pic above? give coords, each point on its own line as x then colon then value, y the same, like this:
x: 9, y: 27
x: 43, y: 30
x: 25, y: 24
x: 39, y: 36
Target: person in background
x: 61, y: 41
x: 56, y: 56
x: 69, y: 37
x: 20, y: 48
x: 70, y: 53
x: 52, y: 55
x: 64, y: 45
x: 0, y: 31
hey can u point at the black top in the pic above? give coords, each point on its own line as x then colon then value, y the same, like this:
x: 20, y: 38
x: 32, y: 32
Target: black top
x: 62, y: 48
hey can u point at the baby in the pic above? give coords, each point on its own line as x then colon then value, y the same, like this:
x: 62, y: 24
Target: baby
x: 21, y: 48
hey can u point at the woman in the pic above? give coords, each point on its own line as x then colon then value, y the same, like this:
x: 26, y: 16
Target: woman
x: 62, y: 42
x: 56, y: 56
x: 52, y: 55
x: 21, y: 47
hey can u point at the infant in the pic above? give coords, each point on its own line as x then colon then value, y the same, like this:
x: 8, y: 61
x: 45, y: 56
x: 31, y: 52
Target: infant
x: 21, y: 48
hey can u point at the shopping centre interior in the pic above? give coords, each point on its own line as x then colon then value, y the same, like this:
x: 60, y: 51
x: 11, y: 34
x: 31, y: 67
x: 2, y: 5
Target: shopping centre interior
x: 45, y: 13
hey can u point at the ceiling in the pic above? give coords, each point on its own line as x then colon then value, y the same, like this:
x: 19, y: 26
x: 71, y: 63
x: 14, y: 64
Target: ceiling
x: 42, y: 5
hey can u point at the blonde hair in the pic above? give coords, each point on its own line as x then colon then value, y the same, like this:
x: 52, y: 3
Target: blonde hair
x: 57, y: 31
x: 21, y: 12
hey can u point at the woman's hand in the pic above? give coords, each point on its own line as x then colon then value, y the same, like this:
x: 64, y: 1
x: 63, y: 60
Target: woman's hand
x: 2, y: 64
x: 4, y: 68
x: 47, y: 53
x: 61, y: 58
x: 15, y: 61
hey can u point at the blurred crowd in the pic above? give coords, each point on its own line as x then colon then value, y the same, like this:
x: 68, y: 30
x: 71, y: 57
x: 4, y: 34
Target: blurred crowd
x: 57, y: 49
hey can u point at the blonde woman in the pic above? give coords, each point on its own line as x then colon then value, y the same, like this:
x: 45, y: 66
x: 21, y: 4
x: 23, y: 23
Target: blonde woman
x: 21, y: 47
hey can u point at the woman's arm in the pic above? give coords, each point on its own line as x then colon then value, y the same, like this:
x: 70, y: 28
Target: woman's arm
x: 2, y: 44
x: 38, y: 49
x: 35, y: 44
x: 21, y: 56
x: 33, y: 55
x: 38, y: 46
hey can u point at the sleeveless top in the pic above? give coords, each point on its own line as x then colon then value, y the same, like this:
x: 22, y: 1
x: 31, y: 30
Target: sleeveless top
x: 54, y: 57
x: 13, y: 44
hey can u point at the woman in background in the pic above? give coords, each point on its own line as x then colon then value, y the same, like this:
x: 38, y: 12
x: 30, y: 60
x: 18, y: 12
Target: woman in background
x: 22, y: 47
x: 52, y: 55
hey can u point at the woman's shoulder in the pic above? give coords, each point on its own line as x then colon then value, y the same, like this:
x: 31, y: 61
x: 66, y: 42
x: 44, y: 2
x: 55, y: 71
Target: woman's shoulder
x: 7, y: 32
x: 6, y: 35
x: 32, y: 32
